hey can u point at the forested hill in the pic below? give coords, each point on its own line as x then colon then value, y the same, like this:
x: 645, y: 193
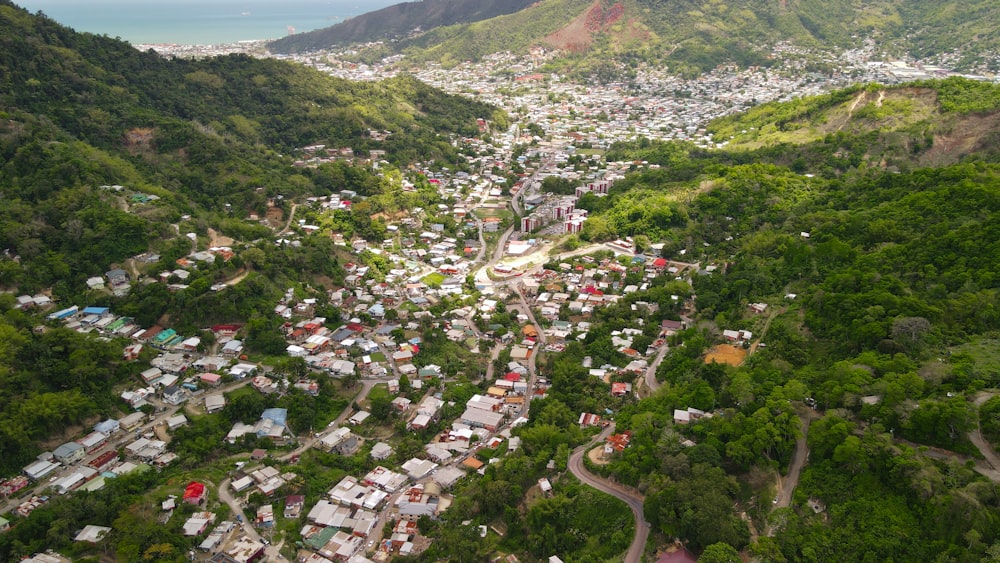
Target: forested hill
x: 398, y: 20
x: 115, y: 158
x: 692, y: 36
x: 80, y: 111
x: 97, y: 88
x: 872, y: 253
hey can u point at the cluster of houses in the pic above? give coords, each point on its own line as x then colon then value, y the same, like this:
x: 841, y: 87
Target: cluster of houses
x: 102, y: 321
x: 87, y: 463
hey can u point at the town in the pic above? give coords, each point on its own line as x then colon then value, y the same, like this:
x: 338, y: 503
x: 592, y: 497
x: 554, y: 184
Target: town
x: 488, y: 272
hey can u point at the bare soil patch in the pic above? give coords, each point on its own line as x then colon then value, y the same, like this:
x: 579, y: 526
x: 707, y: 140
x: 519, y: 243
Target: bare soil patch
x: 596, y: 455
x: 275, y: 217
x: 216, y: 239
x: 726, y: 354
x: 575, y: 37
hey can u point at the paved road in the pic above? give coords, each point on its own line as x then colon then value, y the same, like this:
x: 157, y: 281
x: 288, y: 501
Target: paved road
x: 651, y: 383
x: 632, y: 499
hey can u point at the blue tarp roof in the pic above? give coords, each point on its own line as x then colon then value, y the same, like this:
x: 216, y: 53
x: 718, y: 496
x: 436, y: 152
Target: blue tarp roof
x: 277, y: 415
x: 96, y: 311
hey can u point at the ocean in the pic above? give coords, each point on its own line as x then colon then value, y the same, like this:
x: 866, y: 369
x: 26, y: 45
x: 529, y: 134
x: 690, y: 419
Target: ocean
x: 200, y: 22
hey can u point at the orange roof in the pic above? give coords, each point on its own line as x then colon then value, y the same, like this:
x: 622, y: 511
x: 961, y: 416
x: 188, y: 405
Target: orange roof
x: 473, y: 462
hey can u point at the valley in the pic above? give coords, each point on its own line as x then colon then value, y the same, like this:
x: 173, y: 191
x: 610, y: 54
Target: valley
x: 303, y: 307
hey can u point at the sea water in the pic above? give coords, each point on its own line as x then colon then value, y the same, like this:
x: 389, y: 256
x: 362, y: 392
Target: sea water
x: 200, y: 22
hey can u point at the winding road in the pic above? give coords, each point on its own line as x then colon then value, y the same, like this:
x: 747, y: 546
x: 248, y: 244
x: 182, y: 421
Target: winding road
x: 631, y: 498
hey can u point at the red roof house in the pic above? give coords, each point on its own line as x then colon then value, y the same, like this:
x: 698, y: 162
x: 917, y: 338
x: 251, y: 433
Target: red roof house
x: 194, y: 493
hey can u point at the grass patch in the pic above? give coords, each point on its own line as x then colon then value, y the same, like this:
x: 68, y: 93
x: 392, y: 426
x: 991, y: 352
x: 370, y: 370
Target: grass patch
x: 433, y: 279
x: 502, y: 212
x: 984, y: 351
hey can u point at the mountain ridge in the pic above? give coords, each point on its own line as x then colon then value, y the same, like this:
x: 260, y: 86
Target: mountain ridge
x: 398, y: 20
x: 692, y: 37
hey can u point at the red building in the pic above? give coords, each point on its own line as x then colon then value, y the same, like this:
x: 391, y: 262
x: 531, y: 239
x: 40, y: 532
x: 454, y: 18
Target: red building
x: 194, y: 493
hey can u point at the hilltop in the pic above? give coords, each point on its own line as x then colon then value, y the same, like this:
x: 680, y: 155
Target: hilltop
x: 398, y: 21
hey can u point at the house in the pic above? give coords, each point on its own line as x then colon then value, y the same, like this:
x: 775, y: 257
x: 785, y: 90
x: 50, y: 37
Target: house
x: 617, y: 442
x: 293, y: 506
x: 92, y: 441
x: 670, y: 327
x: 176, y: 421
x: 232, y: 348
x: 265, y: 517
x: 243, y: 550
x: 104, y: 461
x: 132, y: 420
x: 348, y: 446
x: 69, y: 453
x: 117, y: 277
x: 195, y: 493
x: 384, y: 479
x: 545, y: 486
x: 174, y: 395
x: 621, y: 389
x: 215, y: 403
x: 40, y: 469
x: 359, y: 417
x: 588, y: 419
x: 482, y: 418
x: 417, y: 469
x: 91, y: 533
x: 381, y: 451
x: 688, y: 415
x: 210, y: 379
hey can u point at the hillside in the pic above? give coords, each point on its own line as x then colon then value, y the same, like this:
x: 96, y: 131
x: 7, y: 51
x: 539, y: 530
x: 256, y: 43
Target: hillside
x: 871, y: 292
x: 82, y: 111
x: 919, y: 124
x: 109, y: 155
x: 397, y: 21
x: 692, y: 37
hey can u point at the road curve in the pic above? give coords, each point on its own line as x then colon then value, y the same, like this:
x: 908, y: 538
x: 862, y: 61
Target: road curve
x: 633, y: 500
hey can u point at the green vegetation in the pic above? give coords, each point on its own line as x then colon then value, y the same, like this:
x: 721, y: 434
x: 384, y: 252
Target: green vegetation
x: 82, y: 112
x: 51, y: 381
x: 886, y: 261
x: 613, y: 38
x: 873, y: 244
x: 396, y: 21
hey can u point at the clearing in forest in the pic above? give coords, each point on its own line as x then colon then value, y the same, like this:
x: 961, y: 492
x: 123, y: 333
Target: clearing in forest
x: 726, y: 354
